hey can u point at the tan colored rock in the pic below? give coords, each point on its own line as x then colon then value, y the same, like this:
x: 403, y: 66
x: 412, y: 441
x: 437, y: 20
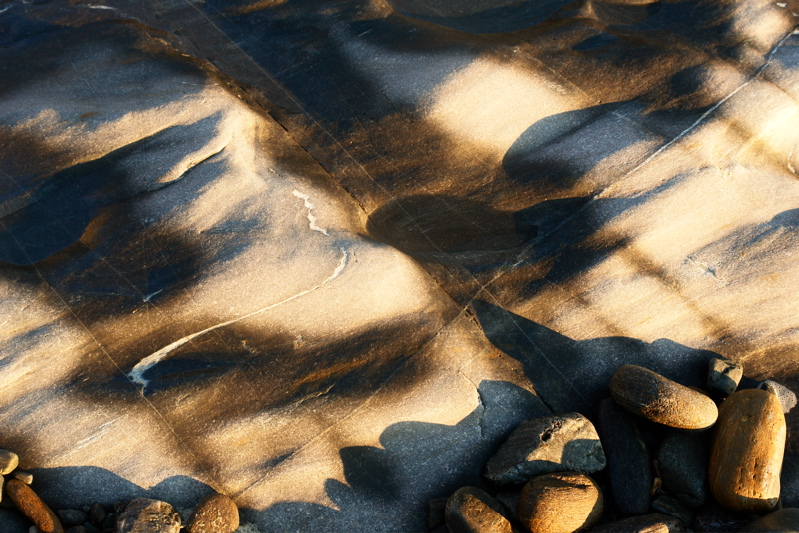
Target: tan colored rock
x: 216, y: 513
x: 661, y: 400
x: 563, y: 502
x: 748, y: 447
x: 8, y: 462
x: 33, y: 507
x: 472, y: 510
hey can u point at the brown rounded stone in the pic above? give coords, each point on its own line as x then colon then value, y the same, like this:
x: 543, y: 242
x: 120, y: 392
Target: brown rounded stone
x: 661, y: 400
x: 748, y: 446
x: 472, y: 510
x: 563, y: 502
x: 33, y: 507
x: 216, y: 513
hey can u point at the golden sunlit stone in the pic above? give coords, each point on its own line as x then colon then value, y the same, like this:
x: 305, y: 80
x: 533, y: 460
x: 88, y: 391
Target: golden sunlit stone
x: 748, y: 447
x: 661, y: 400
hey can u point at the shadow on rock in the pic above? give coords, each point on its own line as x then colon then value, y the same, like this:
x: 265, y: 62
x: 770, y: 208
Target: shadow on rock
x: 72, y: 487
x: 574, y: 375
x: 417, y: 461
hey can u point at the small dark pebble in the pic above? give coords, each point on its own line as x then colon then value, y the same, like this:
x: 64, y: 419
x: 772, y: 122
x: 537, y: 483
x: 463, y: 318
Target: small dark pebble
x: 110, y: 521
x: 97, y: 514
x: 509, y: 499
x: 714, y: 518
x: 91, y: 528
x: 435, y: 512
x: 673, y: 506
x: 76, y: 529
x: 72, y: 517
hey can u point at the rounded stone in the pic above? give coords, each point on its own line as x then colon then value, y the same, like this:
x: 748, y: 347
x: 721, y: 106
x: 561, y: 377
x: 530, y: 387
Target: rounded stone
x: 29, y: 503
x: 562, y: 502
x: 72, y: 517
x: 97, y: 514
x: 661, y: 400
x: 143, y: 515
x: 683, y: 458
x: 748, y: 447
x: 648, y: 523
x: 216, y: 513
x: 555, y: 443
x: 785, y: 395
x: 782, y: 521
x: 723, y: 376
x: 8, y: 462
x: 472, y: 510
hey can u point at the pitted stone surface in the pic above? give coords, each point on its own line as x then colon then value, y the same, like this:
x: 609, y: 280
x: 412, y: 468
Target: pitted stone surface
x: 558, y: 443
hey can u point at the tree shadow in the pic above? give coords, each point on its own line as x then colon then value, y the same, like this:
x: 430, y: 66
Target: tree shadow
x: 417, y: 461
x: 487, y: 16
x: 575, y: 375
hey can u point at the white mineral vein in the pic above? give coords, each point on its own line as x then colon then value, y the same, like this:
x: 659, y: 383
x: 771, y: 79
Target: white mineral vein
x: 310, y: 207
x: 136, y: 375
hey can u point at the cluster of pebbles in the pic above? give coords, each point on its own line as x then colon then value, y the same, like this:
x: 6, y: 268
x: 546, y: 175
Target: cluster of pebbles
x: 216, y: 513
x: 716, y: 468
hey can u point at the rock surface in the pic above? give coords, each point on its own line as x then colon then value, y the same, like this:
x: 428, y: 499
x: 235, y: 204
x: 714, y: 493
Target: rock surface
x: 747, y: 452
x: 560, y: 503
x: 648, y: 523
x: 656, y: 398
x: 33, y: 507
x: 723, y: 376
x: 785, y: 395
x: 472, y: 510
x: 143, y: 515
x: 8, y: 462
x: 683, y: 461
x: 782, y: 521
x: 557, y: 443
x: 507, y: 224
x: 629, y: 462
x: 216, y: 513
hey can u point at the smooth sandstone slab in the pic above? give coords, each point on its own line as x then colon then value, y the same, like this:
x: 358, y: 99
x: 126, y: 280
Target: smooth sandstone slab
x: 747, y: 452
x: 661, y: 400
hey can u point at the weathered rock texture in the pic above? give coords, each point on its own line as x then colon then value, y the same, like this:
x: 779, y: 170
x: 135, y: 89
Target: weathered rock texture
x: 557, y: 443
x: 472, y: 510
x: 143, y: 515
x: 247, y: 242
x: 563, y: 502
x: 656, y: 398
x: 747, y: 452
x: 29, y: 503
x: 216, y: 513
